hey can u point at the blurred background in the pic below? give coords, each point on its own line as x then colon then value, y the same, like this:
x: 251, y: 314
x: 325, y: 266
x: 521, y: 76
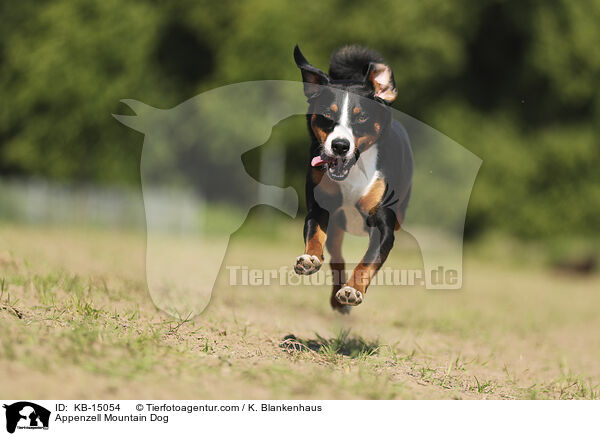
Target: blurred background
x: 515, y: 82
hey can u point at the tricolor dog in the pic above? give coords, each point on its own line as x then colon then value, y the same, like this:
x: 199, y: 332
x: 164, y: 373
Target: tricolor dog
x: 360, y: 173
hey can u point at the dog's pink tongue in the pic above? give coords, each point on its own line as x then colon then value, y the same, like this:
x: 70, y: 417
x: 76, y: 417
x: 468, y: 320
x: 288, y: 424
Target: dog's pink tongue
x: 318, y: 161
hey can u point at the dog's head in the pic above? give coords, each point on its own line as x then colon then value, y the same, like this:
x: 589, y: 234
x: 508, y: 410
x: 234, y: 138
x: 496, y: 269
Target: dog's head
x: 346, y: 116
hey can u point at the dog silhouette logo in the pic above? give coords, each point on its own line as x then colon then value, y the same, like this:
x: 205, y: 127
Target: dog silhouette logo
x: 26, y: 415
x: 197, y: 146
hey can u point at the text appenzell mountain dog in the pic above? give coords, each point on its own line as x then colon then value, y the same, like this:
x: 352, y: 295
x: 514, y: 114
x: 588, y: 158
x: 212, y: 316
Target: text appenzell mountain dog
x: 360, y: 174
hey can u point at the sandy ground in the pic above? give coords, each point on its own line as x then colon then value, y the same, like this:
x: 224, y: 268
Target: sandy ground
x: 76, y: 321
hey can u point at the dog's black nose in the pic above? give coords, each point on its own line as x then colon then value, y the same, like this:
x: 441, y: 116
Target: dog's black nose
x: 340, y: 146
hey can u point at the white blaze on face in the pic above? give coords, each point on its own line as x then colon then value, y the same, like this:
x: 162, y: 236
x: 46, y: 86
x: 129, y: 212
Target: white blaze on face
x: 342, y: 130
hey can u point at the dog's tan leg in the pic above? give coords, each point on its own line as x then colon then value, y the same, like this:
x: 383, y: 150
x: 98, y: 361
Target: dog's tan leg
x: 315, y: 235
x: 316, y: 242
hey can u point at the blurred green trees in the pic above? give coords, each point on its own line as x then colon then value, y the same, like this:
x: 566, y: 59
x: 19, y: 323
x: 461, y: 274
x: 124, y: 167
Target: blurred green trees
x: 516, y: 82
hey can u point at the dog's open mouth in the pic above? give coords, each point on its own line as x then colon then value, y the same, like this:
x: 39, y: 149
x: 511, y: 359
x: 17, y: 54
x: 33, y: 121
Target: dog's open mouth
x: 337, y: 167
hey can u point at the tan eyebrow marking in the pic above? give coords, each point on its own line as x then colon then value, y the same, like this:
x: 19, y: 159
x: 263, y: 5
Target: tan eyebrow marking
x: 334, y: 107
x: 356, y: 110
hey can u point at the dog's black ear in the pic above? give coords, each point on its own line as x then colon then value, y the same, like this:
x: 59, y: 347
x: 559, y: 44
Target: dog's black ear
x: 382, y: 79
x: 311, y: 76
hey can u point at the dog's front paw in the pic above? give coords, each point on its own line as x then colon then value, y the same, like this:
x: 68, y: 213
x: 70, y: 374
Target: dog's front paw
x: 307, y: 264
x: 349, y: 296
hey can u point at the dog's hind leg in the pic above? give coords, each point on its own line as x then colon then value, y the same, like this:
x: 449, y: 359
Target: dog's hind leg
x: 335, y: 237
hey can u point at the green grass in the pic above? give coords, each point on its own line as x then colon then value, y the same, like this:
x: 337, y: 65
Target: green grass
x: 76, y: 322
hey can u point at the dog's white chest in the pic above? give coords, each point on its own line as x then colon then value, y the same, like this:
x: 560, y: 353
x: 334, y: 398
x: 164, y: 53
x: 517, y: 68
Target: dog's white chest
x: 361, y: 175
x: 355, y: 186
x: 352, y: 188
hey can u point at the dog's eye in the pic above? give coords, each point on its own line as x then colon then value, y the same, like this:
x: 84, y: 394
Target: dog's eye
x: 327, y: 114
x: 362, y: 118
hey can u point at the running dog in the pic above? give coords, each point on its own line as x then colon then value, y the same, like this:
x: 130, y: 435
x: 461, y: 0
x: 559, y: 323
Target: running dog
x: 359, y: 176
